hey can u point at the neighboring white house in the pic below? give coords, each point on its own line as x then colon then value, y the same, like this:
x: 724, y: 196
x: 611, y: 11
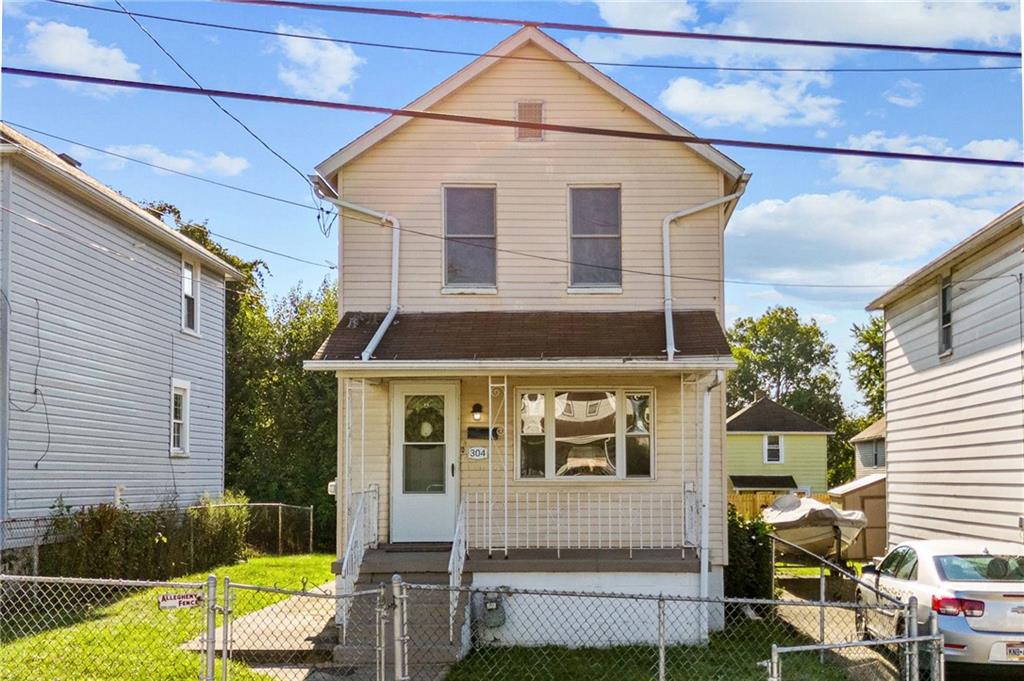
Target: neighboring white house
x: 869, y: 445
x: 954, y: 363
x: 111, y: 344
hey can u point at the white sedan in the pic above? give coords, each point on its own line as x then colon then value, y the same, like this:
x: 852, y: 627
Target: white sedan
x: 976, y: 588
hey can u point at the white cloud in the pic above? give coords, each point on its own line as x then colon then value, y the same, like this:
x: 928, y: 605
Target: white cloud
x: 824, y: 318
x: 905, y: 93
x: 188, y: 161
x: 990, y: 186
x: 69, y: 48
x: 315, y: 69
x: 842, y: 238
x: 756, y: 104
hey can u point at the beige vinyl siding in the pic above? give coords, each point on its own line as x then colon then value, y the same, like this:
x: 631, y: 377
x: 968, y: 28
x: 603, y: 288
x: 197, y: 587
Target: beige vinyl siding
x: 955, y: 435
x: 404, y: 175
x: 673, y: 463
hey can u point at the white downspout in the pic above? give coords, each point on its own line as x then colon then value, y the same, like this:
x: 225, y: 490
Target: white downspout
x: 396, y: 236
x: 666, y: 260
x: 705, y: 494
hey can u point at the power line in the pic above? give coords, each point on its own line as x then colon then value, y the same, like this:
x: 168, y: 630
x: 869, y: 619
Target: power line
x: 325, y: 264
x: 527, y: 58
x: 590, y: 28
x: 661, y: 275
x: 156, y: 166
x: 321, y: 213
x: 501, y: 122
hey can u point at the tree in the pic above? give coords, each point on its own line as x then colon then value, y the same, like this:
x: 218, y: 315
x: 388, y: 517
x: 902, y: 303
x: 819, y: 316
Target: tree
x: 867, y: 364
x: 792, y: 362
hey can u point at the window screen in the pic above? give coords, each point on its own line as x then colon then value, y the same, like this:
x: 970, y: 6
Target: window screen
x: 596, y: 237
x: 529, y: 112
x: 469, y: 217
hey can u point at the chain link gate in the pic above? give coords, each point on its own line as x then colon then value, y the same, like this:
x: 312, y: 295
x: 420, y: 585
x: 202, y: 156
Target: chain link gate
x: 288, y: 634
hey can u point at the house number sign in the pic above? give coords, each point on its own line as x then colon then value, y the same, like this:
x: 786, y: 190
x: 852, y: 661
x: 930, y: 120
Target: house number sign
x: 476, y: 453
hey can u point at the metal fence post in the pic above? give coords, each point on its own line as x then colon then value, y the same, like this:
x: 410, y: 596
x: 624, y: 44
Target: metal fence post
x: 381, y: 634
x: 280, y: 545
x: 397, y: 628
x: 821, y: 612
x: 226, y: 630
x: 661, y: 638
x: 211, y: 628
x: 772, y: 595
x: 774, y: 671
x: 938, y: 664
x: 311, y: 529
x: 911, y: 632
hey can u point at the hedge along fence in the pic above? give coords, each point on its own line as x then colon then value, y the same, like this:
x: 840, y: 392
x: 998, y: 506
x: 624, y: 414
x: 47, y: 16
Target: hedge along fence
x: 110, y: 540
x: 749, y: 572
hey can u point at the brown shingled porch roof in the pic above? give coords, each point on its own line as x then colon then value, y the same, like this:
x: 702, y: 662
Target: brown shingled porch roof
x: 433, y: 336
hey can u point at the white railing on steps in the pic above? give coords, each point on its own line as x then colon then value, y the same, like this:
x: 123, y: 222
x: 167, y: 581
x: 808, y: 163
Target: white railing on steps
x: 362, y: 535
x: 456, y: 563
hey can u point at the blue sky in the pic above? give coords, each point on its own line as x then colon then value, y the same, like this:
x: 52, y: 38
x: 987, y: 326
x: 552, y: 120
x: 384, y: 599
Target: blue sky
x: 804, y: 218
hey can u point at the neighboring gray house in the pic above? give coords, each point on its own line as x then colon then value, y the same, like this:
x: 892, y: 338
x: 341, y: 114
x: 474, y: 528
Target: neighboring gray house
x: 870, y: 447
x: 111, y: 344
x: 954, y: 364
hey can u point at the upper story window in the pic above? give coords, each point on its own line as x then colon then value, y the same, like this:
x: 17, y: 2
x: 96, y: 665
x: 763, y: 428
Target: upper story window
x: 946, y: 316
x: 190, y: 274
x: 529, y: 112
x: 773, y: 449
x: 583, y: 433
x: 470, y: 238
x: 595, y: 235
x: 180, y: 417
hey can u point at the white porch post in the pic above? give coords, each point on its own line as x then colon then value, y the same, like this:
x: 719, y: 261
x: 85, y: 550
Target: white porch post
x: 705, y: 505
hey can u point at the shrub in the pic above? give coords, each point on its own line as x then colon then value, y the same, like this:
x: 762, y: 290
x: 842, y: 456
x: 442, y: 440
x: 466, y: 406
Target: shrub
x: 114, y: 541
x: 749, y: 573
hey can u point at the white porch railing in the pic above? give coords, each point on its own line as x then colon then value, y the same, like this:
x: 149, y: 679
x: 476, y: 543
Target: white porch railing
x: 362, y: 534
x: 457, y: 561
x: 583, y: 520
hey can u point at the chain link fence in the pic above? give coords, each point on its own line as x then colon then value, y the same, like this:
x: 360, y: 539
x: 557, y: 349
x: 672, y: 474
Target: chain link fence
x: 108, y: 629
x: 266, y: 528
x: 518, y: 634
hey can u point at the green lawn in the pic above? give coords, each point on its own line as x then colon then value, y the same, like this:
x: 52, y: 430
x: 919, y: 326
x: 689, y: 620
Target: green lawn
x: 128, y: 636
x: 738, y: 653
x: 785, y: 569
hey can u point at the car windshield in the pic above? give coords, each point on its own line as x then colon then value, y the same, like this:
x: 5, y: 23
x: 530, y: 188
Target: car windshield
x: 981, y: 568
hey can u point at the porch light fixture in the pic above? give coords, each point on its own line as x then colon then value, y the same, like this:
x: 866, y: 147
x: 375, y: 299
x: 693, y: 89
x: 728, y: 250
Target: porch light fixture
x: 478, y: 411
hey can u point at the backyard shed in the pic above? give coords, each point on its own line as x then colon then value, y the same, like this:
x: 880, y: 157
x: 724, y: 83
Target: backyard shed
x: 865, y: 494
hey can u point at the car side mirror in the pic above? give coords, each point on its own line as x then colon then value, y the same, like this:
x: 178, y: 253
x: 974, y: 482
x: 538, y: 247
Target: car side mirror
x: 868, y: 571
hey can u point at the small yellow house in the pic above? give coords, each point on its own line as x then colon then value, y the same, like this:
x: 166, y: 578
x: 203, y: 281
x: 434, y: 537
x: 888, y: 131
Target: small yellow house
x: 771, y: 448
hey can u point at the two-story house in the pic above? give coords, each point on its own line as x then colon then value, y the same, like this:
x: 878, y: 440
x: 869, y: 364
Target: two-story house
x: 954, y: 387
x: 111, y: 346
x: 530, y: 356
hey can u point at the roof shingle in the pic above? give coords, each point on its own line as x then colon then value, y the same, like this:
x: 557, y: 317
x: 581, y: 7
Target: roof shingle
x: 525, y: 335
x: 768, y: 416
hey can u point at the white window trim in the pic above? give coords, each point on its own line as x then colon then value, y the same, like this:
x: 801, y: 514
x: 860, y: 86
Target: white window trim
x: 186, y: 431
x: 946, y: 279
x: 620, y: 434
x: 466, y: 289
x: 543, y: 119
x: 574, y: 288
x: 197, y: 291
x: 782, y: 449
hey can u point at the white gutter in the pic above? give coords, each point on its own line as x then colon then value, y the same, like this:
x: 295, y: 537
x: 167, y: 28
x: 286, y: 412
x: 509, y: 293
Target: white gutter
x: 666, y: 259
x: 396, y: 236
x: 392, y: 367
x: 705, y: 493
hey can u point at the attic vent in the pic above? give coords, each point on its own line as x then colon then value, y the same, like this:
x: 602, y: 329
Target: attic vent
x: 70, y: 160
x: 529, y: 112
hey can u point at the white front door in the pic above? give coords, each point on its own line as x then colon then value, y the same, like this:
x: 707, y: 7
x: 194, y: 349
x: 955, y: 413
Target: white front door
x: 424, y: 461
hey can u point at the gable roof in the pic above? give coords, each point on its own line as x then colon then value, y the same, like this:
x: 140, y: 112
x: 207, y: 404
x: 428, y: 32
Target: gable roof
x: 767, y: 416
x: 59, y: 170
x: 990, y: 233
x: 522, y: 37
x: 876, y: 431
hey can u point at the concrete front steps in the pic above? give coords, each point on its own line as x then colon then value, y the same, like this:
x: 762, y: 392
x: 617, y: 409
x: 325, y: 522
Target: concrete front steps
x: 430, y: 652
